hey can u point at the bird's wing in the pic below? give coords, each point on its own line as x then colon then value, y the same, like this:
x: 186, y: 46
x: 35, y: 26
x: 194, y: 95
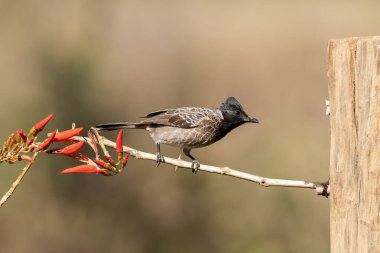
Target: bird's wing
x: 150, y: 115
x: 186, y: 117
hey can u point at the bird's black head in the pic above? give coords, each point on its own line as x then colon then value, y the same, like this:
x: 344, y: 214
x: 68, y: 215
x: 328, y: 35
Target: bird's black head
x: 234, y: 115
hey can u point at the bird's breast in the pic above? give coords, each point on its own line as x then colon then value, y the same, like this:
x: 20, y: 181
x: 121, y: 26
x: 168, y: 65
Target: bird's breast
x: 184, y: 137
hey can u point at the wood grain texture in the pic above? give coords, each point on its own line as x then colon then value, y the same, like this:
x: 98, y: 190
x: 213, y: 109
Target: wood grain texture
x: 354, y: 88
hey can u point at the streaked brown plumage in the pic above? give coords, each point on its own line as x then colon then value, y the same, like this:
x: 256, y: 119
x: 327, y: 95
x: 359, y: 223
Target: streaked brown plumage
x: 189, y: 127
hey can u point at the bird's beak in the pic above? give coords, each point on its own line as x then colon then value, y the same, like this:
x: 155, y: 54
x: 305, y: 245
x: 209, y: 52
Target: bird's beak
x: 252, y: 120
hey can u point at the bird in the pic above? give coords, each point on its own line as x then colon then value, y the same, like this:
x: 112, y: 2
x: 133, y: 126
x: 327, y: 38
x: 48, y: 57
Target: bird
x: 188, y: 127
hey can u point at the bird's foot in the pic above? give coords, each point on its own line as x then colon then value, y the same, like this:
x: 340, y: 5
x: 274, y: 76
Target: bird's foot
x: 160, y: 158
x: 195, y: 166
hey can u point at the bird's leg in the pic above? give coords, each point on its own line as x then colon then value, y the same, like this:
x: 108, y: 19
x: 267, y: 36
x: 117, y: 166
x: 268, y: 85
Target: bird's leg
x: 160, y: 158
x: 195, y: 164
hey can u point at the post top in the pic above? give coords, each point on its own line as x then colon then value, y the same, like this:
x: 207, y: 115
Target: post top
x: 355, y: 39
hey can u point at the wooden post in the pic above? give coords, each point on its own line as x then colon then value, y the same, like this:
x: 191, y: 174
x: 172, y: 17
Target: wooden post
x: 354, y: 88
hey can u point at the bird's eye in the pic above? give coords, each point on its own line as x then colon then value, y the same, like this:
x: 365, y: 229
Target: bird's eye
x: 237, y: 113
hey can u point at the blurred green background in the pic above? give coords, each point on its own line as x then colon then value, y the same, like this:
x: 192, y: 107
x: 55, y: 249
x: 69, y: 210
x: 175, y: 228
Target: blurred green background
x: 94, y: 62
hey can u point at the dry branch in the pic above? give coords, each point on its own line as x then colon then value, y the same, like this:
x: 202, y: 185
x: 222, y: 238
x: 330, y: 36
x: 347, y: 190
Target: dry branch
x: 321, y: 188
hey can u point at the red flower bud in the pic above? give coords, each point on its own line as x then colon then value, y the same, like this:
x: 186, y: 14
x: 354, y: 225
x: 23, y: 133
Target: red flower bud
x: 66, y: 135
x: 46, y: 143
x: 21, y: 134
x: 93, y: 141
x: 30, y: 142
x: 119, y: 142
x: 81, y: 157
x: 25, y: 157
x: 101, y: 163
x: 40, y: 125
x: 12, y: 139
x: 69, y: 150
x: 83, y: 169
x: 109, y: 159
x: 125, y: 160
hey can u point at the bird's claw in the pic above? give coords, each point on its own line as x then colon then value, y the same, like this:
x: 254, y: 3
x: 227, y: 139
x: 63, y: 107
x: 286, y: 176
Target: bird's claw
x: 195, y: 166
x: 160, y: 158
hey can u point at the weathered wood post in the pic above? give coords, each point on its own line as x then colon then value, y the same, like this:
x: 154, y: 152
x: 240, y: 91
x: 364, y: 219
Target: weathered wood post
x: 354, y: 87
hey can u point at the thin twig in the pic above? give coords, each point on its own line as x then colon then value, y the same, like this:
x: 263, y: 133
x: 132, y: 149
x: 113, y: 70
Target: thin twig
x: 320, y: 188
x: 9, y: 193
x: 101, y: 143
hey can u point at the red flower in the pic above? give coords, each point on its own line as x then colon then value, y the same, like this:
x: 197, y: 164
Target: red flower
x: 66, y: 135
x: 119, y: 142
x: 44, y: 145
x: 83, y: 169
x: 69, y: 150
x: 40, y: 125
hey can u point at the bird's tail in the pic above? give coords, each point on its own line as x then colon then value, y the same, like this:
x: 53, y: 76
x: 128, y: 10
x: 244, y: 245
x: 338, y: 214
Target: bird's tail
x: 116, y: 126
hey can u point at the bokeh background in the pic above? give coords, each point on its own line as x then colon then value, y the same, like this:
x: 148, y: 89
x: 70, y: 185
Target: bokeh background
x: 94, y: 62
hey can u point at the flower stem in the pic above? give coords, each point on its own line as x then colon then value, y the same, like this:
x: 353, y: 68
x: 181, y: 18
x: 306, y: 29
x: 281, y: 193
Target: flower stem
x: 15, y: 184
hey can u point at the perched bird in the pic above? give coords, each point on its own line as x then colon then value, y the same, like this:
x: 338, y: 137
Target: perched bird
x: 189, y: 127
